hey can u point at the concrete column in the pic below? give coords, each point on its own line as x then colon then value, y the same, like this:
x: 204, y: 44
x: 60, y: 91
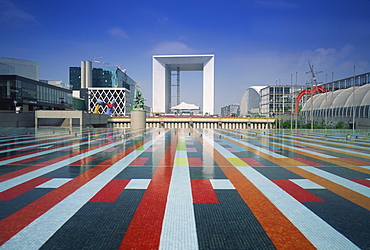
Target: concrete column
x: 138, y: 119
x: 83, y: 75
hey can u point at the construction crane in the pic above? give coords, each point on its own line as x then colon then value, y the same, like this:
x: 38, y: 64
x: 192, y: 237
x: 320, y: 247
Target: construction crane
x: 95, y: 60
x: 119, y: 66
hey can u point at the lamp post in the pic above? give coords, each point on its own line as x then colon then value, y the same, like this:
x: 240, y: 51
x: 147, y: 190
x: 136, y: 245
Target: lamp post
x: 353, y: 99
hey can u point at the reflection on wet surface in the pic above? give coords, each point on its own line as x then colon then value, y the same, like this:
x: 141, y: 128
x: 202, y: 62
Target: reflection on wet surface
x: 184, y: 189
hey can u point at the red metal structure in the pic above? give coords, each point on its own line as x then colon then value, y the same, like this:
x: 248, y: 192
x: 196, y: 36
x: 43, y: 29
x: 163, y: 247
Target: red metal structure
x: 308, y: 92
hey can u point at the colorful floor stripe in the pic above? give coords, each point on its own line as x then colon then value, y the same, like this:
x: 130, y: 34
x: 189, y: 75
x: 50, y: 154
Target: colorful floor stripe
x: 183, y: 189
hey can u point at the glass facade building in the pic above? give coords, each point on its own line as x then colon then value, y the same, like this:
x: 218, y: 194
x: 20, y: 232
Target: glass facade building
x: 102, y: 77
x: 231, y: 110
x: 25, y: 68
x: 279, y: 100
x: 30, y: 95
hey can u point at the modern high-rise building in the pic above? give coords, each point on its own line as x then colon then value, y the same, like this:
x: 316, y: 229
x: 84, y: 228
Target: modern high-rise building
x: 29, y: 95
x: 102, y: 83
x: 87, y: 76
x: 24, y: 68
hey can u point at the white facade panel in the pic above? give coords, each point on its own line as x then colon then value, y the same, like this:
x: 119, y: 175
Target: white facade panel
x: 162, y: 67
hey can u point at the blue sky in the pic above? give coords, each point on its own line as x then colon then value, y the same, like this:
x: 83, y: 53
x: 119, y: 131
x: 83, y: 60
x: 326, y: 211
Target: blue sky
x: 254, y: 42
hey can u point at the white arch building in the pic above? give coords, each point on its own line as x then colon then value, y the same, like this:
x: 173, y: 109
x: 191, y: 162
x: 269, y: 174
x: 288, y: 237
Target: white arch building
x: 162, y: 67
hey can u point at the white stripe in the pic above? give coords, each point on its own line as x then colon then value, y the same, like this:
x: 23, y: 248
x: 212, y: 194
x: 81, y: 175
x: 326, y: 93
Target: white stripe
x: 54, y: 183
x: 138, y: 184
x: 34, y: 144
x: 281, y: 145
x: 29, y: 176
x: 306, y: 184
x: 179, y: 229
x: 226, y: 153
x: 316, y: 230
x: 4, y: 162
x: 309, y: 151
x: 47, y: 224
x: 263, y: 150
x: 222, y: 184
x: 339, y: 180
x: 344, y: 151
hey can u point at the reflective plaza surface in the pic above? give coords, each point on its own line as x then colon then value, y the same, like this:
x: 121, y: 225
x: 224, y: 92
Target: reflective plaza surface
x: 184, y: 189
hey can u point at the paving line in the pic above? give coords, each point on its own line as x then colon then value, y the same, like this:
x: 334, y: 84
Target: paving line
x: 286, y: 146
x: 47, y: 169
x: 330, y: 159
x: 324, y: 147
x: 55, y: 140
x: 34, y: 173
x: 41, y: 229
x: 260, y: 149
x: 49, y: 162
x: 144, y: 230
x: 179, y: 228
x: 43, y: 152
x: 283, y: 234
x: 319, y: 233
x: 345, y: 192
x: 339, y: 180
x: 35, y: 142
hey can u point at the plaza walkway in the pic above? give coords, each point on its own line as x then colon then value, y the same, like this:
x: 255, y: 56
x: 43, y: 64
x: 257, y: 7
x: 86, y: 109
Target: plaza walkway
x: 183, y: 189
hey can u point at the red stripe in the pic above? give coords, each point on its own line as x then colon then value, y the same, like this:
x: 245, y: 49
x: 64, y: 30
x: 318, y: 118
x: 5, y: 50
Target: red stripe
x: 364, y: 182
x: 12, y: 224
x: 39, y: 150
x: 195, y: 162
x: 46, y: 163
x: 203, y: 192
x: 111, y: 191
x: 355, y: 161
x: 252, y: 162
x: 308, y: 162
x: 13, y: 192
x: 140, y: 161
x: 82, y: 161
x: 26, y: 160
x: 144, y: 231
x: 300, y: 194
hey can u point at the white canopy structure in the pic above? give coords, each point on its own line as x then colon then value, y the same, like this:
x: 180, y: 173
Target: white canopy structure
x: 185, y: 106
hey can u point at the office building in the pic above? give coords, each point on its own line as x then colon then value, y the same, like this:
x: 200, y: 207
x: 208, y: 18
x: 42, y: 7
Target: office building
x: 231, y: 110
x: 279, y: 100
x: 104, y: 82
x: 17, y: 92
x: 250, y: 101
x: 87, y: 76
x: 24, y: 68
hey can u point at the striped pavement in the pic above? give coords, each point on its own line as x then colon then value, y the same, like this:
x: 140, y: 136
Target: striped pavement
x: 183, y: 189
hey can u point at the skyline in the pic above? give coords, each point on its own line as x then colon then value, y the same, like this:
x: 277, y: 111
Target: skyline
x: 255, y: 43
